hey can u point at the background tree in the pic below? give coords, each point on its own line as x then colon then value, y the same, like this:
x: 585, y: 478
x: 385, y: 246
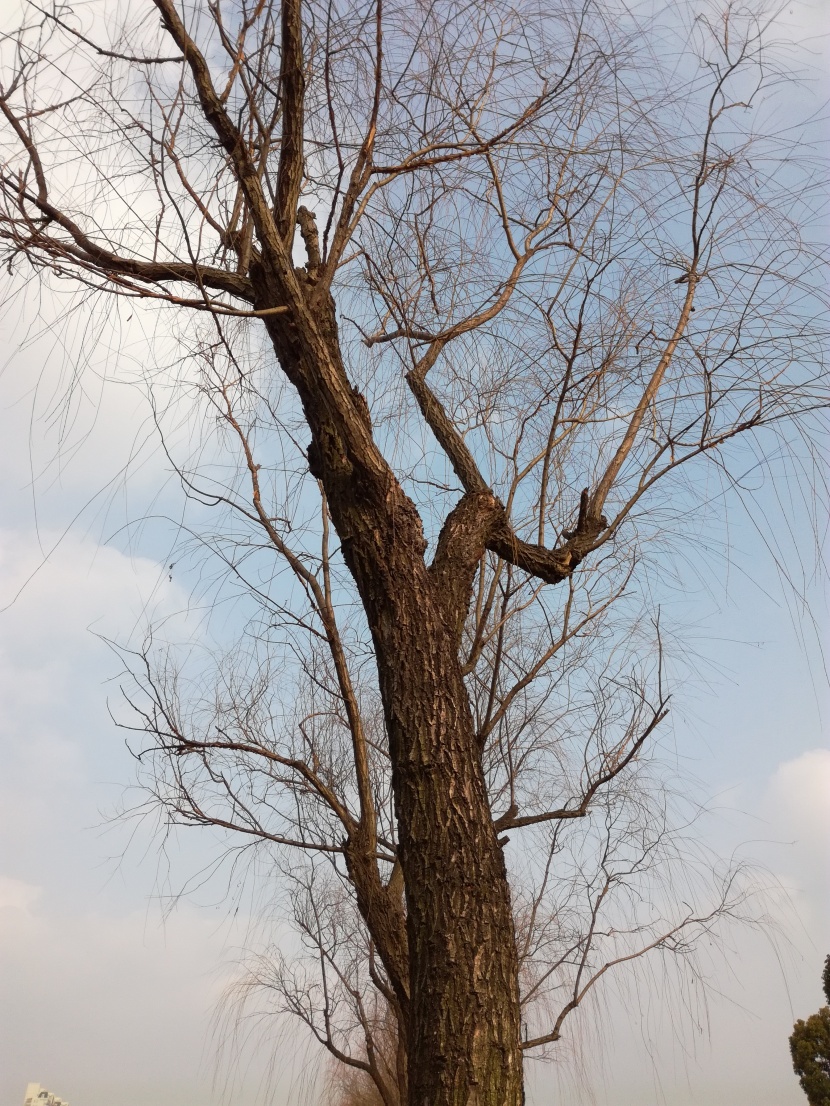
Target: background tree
x: 550, y: 299
x: 810, y: 1049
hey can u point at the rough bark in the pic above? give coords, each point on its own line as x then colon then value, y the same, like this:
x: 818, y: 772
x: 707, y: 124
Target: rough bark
x: 463, y: 1010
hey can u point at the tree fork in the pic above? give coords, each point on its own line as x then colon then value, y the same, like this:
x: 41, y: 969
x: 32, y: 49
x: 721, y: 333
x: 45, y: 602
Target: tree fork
x: 463, y: 1022
x: 463, y: 1004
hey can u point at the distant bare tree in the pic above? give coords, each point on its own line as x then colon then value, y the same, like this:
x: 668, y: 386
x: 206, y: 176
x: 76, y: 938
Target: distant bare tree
x: 552, y: 283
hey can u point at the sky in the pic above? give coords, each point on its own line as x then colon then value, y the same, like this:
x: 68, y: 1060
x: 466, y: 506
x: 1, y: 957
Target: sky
x: 109, y: 993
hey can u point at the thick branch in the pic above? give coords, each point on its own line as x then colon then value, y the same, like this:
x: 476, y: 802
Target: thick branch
x: 439, y: 422
x: 247, y: 173
x: 292, y: 91
x: 551, y: 565
x: 311, y: 239
x: 382, y: 910
x: 610, y: 475
x: 85, y: 250
x: 362, y: 167
x: 135, y: 59
x: 461, y: 545
x: 31, y: 149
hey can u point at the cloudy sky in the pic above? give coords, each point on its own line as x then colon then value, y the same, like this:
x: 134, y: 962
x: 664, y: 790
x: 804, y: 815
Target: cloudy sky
x: 109, y: 996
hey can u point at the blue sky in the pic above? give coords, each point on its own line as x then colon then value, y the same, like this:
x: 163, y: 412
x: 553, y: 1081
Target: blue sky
x: 107, y: 994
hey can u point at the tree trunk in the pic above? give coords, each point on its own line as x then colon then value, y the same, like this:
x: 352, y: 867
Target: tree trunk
x: 464, y: 1010
x: 463, y: 1047
x: 463, y: 1042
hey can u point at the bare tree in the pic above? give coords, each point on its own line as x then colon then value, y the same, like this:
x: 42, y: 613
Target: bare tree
x: 554, y: 281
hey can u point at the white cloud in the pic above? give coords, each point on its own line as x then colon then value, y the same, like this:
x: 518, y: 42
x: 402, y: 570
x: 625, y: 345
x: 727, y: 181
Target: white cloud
x: 98, y: 999
x: 797, y: 802
x: 800, y: 788
x: 17, y: 895
x: 55, y: 734
x: 54, y: 587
